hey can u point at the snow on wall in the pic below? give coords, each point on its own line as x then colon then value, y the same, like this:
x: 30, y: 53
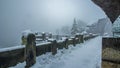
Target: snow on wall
x: 26, y: 32
x: 11, y: 48
x: 86, y: 55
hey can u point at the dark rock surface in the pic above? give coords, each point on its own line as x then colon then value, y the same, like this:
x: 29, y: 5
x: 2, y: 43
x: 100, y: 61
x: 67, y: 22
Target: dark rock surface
x: 111, y: 8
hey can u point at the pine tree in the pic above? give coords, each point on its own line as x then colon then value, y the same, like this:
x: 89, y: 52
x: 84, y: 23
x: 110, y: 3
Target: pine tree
x: 74, y: 29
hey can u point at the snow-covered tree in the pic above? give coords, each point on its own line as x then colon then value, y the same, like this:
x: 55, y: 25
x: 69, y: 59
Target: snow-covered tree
x: 74, y: 29
x: 81, y: 26
x: 65, y: 30
x: 57, y: 34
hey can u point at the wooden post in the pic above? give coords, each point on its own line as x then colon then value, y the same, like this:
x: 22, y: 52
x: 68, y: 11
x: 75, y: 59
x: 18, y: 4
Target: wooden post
x: 50, y: 35
x: 57, y: 37
x: 30, y: 51
x: 74, y: 42
x: 81, y: 39
x: 78, y: 36
x: 66, y: 45
x: 24, y: 40
x: 54, y: 47
x: 43, y: 36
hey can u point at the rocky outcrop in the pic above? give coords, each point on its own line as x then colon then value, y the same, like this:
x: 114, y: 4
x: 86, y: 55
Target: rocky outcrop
x: 110, y: 52
x: 111, y: 8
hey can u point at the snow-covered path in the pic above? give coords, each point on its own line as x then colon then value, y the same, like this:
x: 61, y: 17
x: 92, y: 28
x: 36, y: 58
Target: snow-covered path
x: 86, y: 55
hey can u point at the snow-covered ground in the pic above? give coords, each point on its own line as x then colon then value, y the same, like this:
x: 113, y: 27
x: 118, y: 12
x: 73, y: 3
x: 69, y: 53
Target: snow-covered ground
x: 86, y: 55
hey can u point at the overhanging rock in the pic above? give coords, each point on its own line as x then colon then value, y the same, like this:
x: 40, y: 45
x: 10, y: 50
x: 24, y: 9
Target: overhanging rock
x: 111, y: 8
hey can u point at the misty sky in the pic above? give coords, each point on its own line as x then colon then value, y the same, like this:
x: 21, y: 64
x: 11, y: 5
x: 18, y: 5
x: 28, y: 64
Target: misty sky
x: 42, y: 15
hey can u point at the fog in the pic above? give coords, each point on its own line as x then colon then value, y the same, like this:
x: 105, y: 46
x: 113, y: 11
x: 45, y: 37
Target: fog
x: 42, y: 15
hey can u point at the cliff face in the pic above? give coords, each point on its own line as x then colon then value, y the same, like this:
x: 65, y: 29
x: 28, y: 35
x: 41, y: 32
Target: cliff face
x: 111, y: 8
